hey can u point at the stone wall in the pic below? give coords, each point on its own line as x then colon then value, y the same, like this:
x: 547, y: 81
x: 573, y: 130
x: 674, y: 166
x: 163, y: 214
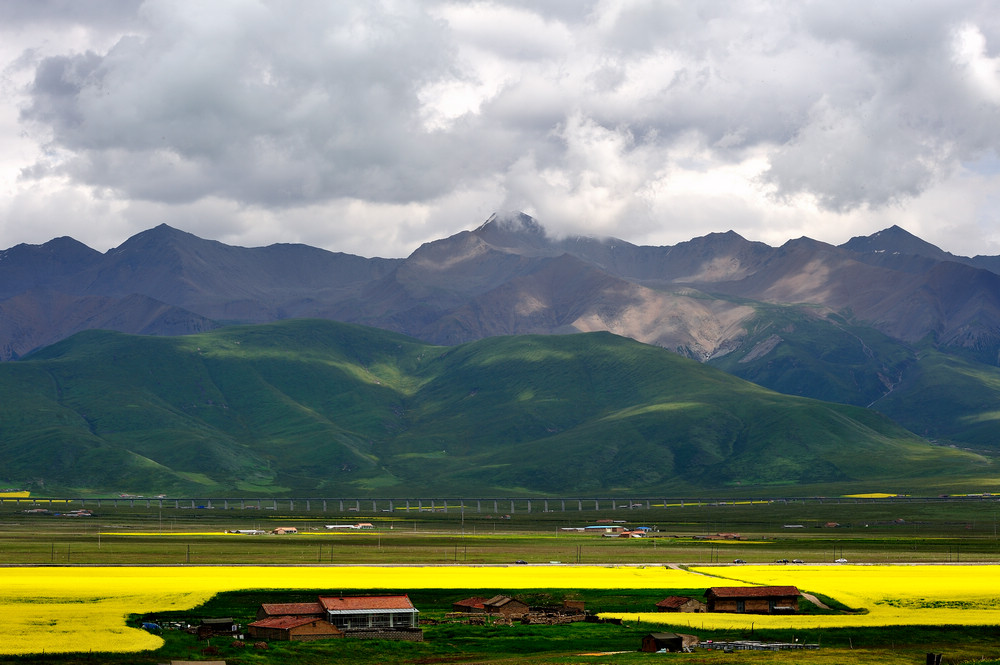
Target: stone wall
x: 411, y: 634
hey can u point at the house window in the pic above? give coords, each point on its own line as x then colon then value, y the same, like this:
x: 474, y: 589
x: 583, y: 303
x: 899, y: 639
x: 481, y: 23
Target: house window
x: 741, y: 606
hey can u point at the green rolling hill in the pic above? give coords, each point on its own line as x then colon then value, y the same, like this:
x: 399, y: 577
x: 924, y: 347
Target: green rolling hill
x: 311, y: 407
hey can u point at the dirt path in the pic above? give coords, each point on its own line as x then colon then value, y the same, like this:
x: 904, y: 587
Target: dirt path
x: 815, y: 601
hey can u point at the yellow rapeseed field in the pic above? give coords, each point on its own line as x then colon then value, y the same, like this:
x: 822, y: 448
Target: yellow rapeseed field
x: 83, y: 609
x: 892, y: 595
x: 870, y: 495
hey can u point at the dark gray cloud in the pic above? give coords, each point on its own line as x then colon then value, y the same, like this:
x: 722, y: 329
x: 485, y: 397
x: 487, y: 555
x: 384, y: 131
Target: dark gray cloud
x: 653, y: 121
x: 242, y: 101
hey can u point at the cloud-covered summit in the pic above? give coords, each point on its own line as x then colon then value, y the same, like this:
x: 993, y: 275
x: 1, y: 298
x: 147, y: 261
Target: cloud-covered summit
x: 372, y: 127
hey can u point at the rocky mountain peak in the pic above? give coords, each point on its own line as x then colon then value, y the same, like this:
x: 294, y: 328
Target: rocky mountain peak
x: 514, y: 231
x: 895, y: 240
x: 513, y: 222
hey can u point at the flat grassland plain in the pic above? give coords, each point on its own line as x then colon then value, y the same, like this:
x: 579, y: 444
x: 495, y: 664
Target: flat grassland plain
x: 920, y: 577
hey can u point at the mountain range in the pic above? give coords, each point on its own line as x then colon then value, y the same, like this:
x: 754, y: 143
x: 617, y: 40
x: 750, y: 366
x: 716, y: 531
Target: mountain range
x: 888, y: 321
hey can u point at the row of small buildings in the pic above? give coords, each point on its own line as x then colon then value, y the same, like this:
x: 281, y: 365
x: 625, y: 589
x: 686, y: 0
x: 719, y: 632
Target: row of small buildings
x: 395, y: 617
x: 737, y: 600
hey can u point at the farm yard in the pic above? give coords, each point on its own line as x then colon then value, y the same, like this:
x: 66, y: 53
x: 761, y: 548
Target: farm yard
x: 915, y: 582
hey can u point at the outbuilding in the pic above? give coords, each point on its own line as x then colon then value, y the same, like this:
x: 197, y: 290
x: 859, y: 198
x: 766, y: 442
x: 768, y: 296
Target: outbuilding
x: 212, y: 627
x: 294, y: 629
x: 680, y: 604
x: 673, y: 642
x: 473, y: 605
x: 505, y: 606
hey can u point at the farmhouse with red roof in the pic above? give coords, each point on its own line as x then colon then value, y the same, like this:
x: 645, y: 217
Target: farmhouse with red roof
x: 365, y: 617
x: 382, y: 617
x: 753, y: 599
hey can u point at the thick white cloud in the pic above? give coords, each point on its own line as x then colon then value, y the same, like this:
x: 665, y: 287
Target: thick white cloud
x: 372, y: 127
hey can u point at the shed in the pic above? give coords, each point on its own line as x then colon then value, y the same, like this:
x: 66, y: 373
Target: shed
x: 753, y: 599
x: 654, y: 642
x: 680, y: 604
x: 282, y: 530
x: 505, y: 605
x: 295, y: 629
x: 211, y: 627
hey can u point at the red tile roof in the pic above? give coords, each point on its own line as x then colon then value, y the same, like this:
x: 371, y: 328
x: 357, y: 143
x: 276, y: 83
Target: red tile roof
x: 673, y: 602
x: 475, y: 602
x: 287, y: 623
x: 751, y: 591
x: 362, y: 603
x: 289, y: 609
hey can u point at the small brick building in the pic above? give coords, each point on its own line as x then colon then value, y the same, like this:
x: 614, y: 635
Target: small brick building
x: 505, y: 606
x: 753, y: 599
x: 293, y: 628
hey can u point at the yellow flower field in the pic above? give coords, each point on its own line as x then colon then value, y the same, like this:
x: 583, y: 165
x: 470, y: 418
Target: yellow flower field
x: 892, y: 595
x: 82, y: 609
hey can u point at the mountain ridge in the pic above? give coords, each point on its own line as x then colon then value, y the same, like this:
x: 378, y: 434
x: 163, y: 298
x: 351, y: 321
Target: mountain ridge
x: 848, y: 323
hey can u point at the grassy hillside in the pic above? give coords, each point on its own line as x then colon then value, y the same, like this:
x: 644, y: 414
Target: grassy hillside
x: 800, y: 352
x: 322, y: 408
x: 946, y: 397
x: 949, y: 398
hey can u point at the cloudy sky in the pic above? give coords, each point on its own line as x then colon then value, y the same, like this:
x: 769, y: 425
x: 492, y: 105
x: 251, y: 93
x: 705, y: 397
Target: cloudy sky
x: 370, y: 127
